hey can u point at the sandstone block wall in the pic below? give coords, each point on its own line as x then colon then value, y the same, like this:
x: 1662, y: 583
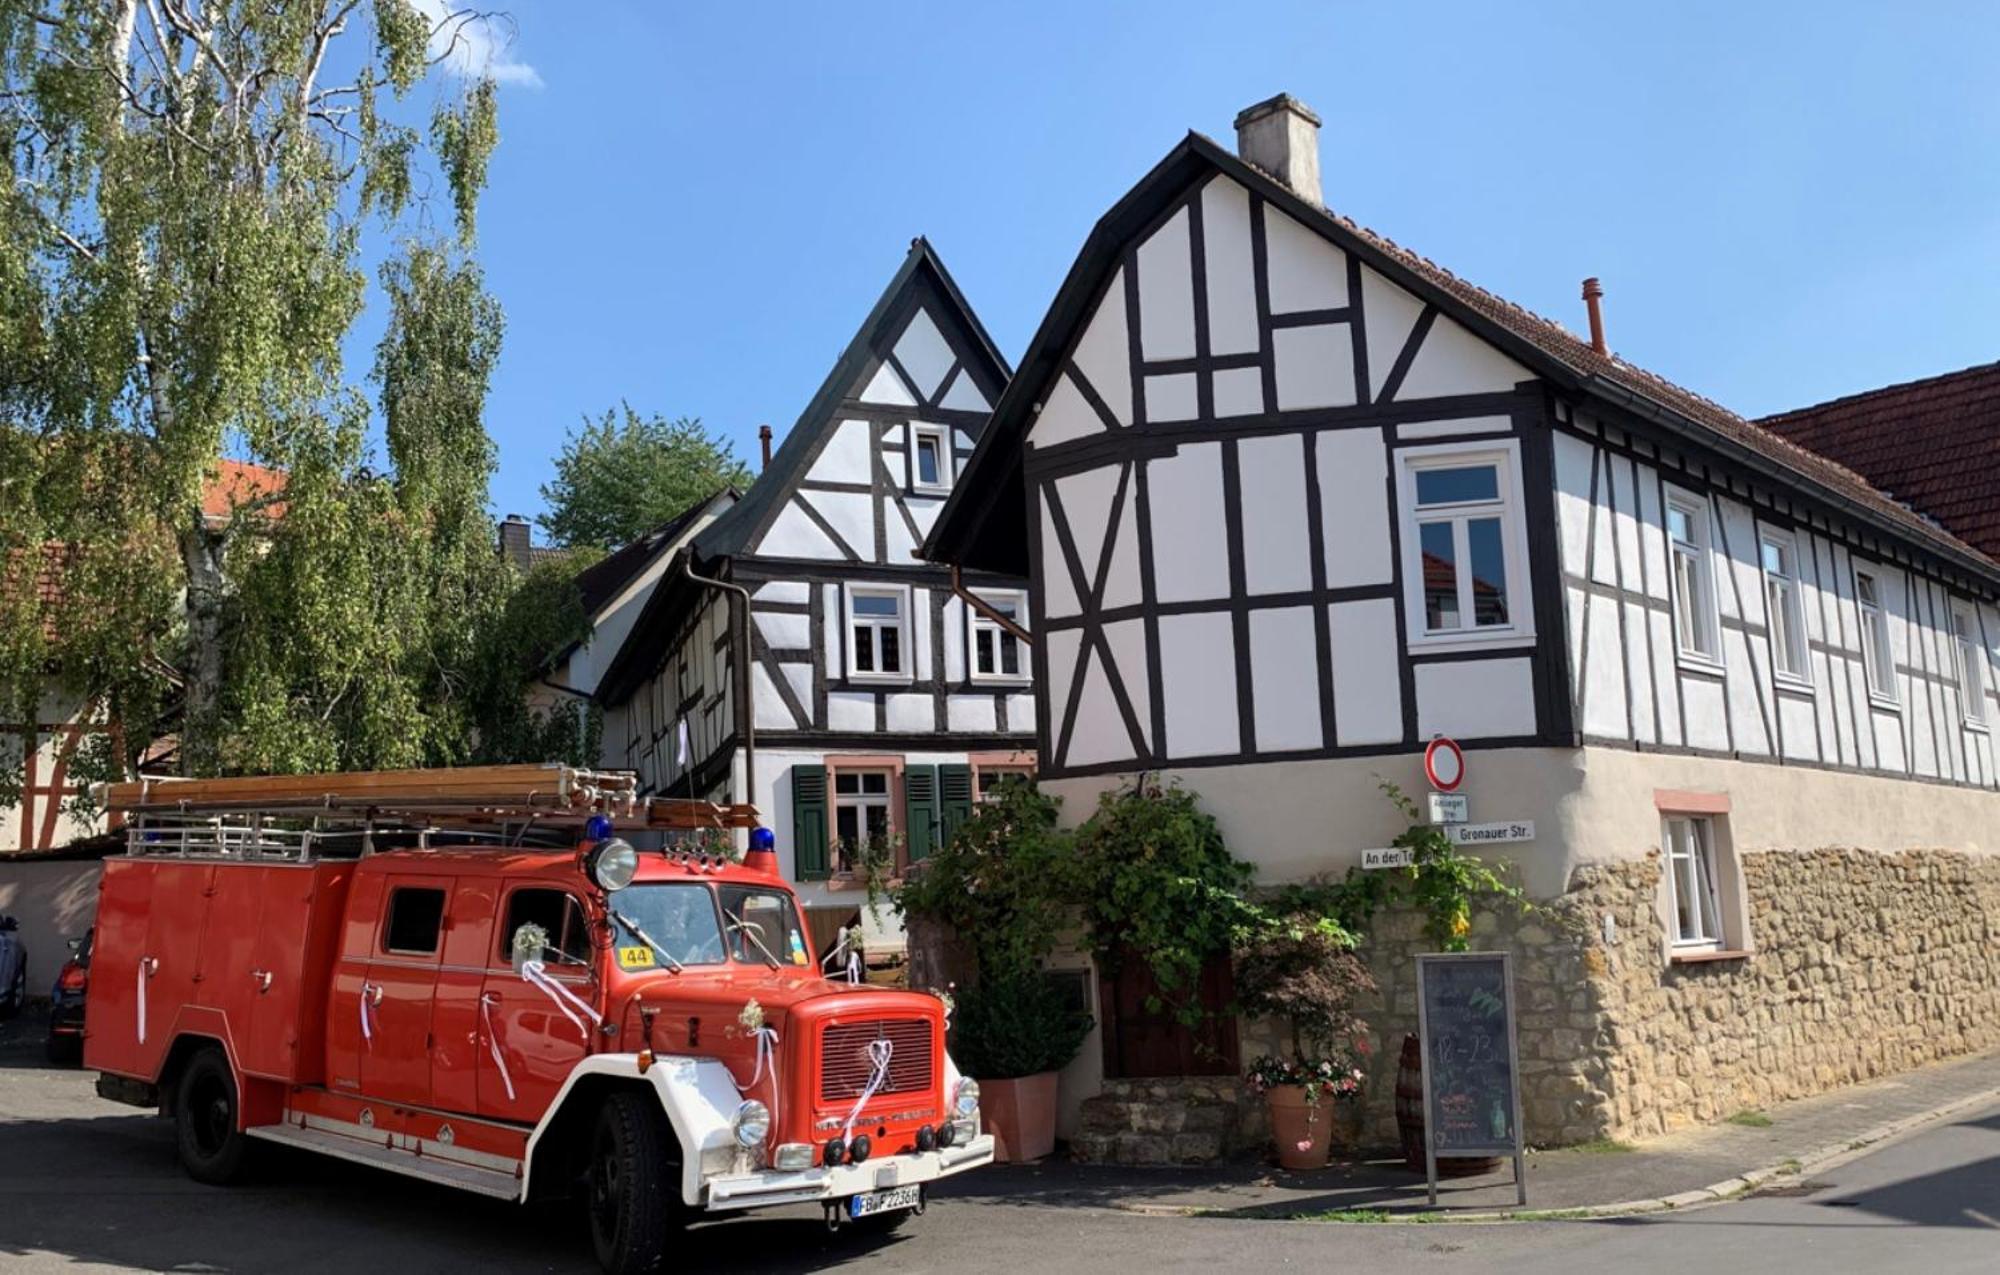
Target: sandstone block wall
x: 1864, y: 964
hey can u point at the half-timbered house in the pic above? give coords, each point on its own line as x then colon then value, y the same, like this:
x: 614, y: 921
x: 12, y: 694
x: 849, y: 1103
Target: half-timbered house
x: 880, y: 698
x: 1295, y: 500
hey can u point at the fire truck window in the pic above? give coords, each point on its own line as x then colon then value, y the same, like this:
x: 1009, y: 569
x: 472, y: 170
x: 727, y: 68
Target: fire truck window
x: 559, y: 915
x: 680, y: 918
x: 761, y: 922
x: 415, y: 917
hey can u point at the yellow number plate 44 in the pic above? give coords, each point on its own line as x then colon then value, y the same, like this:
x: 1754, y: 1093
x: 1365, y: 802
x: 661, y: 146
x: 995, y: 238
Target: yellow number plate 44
x: 635, y: 958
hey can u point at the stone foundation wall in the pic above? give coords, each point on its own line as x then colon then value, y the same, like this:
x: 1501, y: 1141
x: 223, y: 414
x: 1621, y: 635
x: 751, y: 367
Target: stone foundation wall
x: 1864, y: 964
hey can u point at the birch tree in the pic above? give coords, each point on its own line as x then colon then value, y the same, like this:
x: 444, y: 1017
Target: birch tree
x: 182, y: 211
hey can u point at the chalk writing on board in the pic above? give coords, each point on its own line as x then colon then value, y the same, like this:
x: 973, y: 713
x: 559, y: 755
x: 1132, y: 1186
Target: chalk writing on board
x: 1467, y: 1056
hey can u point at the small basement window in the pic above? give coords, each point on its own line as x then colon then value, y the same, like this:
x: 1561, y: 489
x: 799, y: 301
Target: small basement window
x: 1691, y: 882
x: 416, y: 917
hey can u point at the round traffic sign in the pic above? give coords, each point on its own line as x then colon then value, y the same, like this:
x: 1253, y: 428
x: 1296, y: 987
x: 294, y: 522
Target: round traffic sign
x: 1444, y: 764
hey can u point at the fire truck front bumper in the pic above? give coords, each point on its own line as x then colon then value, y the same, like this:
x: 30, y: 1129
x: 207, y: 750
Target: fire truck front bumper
x: 806, y: 1186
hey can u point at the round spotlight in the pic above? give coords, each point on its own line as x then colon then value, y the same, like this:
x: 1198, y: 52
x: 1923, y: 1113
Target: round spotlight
x: 926, y: 1139
x: 859, y: 1148
x: 752, y: 1124
x: 834, y: 1152
x: 612, y: 863
x: 946, y: 1135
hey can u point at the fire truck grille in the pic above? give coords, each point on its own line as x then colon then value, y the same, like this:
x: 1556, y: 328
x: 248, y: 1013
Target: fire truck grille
x: 846, y: 1060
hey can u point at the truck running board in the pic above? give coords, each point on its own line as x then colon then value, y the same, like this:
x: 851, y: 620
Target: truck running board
x: 488, y: 1182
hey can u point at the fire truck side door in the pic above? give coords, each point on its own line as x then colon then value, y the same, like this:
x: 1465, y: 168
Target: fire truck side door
x: 538, y: 1033
x: 111, y: 1012
x: 402, y: 980
x: 176, y: 915
x: 359, y: 929
x: 456, y: 1045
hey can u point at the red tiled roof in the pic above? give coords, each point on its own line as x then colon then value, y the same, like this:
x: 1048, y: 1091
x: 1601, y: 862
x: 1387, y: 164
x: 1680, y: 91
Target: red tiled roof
x: 233, y: 483
x: 1554, y: 340
x: 1934, y: 443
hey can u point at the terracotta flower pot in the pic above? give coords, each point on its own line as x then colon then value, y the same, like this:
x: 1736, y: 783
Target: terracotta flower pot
x: 1302, y: 1131
x: 1021, y: 1115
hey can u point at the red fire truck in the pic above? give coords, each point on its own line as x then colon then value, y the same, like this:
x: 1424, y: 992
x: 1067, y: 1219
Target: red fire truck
x: 469, y: 977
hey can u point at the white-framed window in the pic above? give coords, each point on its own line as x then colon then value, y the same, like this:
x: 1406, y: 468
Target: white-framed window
x: 878, y: 633
x: 1694, y: 913
x: 1971, y: 664
x: 988, y: 776
x: 1778, y: 554
x: 1465, y: 552
x: 861, y: 813
x: 1696, y: 632
x: 931, y: 467
x: 1878, y: 661
x: 994, y: 654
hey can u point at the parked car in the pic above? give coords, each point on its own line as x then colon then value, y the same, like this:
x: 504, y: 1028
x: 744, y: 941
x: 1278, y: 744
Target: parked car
x: 13, y: 968
x: 66, y: 1002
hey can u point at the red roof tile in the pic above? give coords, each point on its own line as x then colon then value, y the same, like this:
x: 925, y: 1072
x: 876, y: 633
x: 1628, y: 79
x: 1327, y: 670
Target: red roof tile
x: 1934, y: 443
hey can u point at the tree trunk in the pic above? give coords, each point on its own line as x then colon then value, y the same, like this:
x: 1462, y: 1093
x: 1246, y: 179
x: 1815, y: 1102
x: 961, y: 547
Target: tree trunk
x: 201, y: 553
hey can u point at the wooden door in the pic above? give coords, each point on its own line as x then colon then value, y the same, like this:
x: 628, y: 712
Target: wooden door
x: 1141, y: 1041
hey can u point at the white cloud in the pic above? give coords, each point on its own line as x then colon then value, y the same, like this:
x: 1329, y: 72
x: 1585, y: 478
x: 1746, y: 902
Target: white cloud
x: 473, y: 46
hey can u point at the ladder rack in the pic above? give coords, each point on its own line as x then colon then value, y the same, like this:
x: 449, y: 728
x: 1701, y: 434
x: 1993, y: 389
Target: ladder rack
x: 297, y: 817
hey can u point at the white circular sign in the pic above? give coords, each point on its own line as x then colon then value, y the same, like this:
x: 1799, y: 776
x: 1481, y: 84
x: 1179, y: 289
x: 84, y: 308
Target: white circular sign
x: 1444, y: 764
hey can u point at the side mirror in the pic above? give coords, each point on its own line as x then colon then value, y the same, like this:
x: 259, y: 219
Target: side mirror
x: 76, y: 945
x: 530, y: 943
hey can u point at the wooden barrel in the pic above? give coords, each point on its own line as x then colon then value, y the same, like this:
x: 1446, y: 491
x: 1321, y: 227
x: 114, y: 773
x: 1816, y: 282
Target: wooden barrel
x: 1410, y: 1119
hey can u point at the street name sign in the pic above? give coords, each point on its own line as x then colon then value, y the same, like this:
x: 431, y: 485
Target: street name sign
x: 1486, y: 834
x: 1450, y: 807
x: 1388, y: 857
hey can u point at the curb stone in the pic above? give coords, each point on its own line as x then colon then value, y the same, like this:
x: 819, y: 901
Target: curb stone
x: 1739, y: 1187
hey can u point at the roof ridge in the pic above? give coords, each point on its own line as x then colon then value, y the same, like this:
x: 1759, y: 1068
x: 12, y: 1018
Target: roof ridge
x: 1879, y: 390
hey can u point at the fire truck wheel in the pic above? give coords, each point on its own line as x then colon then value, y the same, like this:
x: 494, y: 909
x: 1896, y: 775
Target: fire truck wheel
x: 632, y: 1183
x: 212, y: 1147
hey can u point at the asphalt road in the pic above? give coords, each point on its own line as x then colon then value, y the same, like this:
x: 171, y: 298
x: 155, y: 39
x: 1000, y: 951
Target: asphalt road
x: 88, y: 1186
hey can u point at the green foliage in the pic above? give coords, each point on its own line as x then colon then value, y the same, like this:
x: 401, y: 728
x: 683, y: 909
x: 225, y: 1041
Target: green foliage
x: 1016, y: 1024
x: 182, y: 207
x: 1301, y: 967
x: 1003, y: 883
x: 1153, y: 876
x: 1441, y: 881
x: 623, y: 474
x: 543, y: 615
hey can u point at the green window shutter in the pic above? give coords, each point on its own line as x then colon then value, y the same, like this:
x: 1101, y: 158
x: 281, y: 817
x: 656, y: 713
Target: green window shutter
x: 809, y: 821
x: 920, y: 810
x: 954, y: 798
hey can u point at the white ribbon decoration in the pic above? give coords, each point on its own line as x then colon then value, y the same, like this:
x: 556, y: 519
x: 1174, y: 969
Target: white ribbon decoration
x: 367, y: 1026
x: 767, y: 1051
x: 142, y: 998
x: 493, y: 1046
x: 878, y: 1053
x: 853, y: 969
x: 535, y: 974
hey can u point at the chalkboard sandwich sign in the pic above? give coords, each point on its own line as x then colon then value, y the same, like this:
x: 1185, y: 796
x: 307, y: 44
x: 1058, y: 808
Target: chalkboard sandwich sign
x: 1472, y: 1088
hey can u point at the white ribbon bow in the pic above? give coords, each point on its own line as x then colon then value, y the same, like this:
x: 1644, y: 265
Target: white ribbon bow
x: 853, y: 966
x: 767, y: 1053
x: 367, y: 1024
x: 144, y: 961
x: 878, y: 1054
x: 535, y: 974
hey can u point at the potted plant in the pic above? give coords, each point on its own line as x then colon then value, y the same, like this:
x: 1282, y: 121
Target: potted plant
x: 1314, y: 1106
x: 1013, y: 1033
x: 1000, y: 888
x: 1299, y: 967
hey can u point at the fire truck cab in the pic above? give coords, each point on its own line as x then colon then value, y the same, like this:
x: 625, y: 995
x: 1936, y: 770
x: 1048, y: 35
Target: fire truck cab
x: 470, y: 977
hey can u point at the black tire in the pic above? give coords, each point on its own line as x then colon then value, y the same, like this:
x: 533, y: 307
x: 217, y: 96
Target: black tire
x: 65, y: 1051
x: 632, y: 1185
x: 205, y: 1110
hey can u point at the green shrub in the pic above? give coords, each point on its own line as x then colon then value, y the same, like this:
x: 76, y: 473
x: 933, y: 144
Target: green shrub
x: 1016, y: 1025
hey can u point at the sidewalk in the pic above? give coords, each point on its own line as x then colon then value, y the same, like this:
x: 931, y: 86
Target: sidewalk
x: 1683, y: 1170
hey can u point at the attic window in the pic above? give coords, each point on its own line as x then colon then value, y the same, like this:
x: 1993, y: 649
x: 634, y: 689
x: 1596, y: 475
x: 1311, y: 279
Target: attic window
x: 930, y: 458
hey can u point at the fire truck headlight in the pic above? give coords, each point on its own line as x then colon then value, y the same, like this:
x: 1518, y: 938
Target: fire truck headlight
x: 752, y: 1124
x: 612, y: 863
x: 966, y: 1101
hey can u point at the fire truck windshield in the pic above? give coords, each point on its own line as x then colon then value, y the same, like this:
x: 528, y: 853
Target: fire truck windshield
x: 680, y: 918
x: 763, y: 926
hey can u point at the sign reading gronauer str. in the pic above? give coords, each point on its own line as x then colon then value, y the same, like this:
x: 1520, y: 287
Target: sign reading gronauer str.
x: 1486, y: 834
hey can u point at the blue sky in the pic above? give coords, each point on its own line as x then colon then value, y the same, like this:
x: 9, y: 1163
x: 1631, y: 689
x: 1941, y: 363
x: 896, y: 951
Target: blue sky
x: 697, y: 205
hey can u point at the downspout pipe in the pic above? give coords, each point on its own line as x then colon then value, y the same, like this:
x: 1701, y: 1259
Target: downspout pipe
x: 978, y: 604
x: 745, y: 712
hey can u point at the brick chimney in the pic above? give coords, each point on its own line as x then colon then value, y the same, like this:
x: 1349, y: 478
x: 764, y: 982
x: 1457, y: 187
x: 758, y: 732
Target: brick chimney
x: 514, y: 540
x: 1281, y: 136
